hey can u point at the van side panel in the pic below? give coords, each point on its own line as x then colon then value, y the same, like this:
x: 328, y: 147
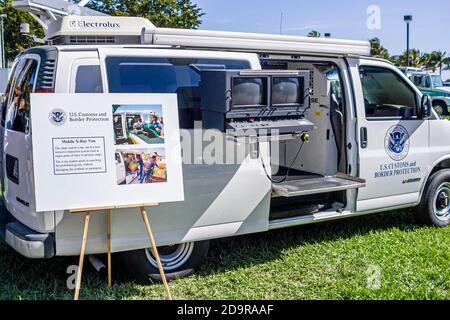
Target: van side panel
x: 220, y: 200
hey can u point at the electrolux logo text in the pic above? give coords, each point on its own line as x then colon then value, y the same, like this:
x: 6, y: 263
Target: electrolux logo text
x: 87, y: 24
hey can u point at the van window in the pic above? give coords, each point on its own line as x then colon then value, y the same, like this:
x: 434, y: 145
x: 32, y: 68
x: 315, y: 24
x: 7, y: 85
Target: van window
x: 88, y: 79
x: 19, y: 107
x: 16, y: 71
x: 166, y: 75
x: 386, y: 94
x: 417, y: 80
x: 437, y: 81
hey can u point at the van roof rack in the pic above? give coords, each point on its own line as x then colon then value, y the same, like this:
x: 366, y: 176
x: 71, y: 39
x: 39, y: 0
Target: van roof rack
x: 253, y: 42
x: 70, y: 24
x: 134, y: 31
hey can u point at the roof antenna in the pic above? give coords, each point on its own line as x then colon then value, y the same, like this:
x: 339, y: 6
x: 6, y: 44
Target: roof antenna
x: 281, y: 23
x: 47, y: 11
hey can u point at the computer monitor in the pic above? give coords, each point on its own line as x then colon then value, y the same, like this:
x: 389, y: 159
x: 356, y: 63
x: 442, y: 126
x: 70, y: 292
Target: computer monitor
x: 249, y: 92
x: 232, y: 94
x: 288, y: 91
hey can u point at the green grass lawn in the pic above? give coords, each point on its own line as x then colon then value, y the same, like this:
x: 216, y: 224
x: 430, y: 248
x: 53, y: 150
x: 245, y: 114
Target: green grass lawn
x: 334, y: 260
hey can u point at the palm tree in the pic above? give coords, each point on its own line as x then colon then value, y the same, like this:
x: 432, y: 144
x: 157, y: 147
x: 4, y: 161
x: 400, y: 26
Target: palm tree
x: 417, y: 59
x: 377, y: 50
x: 314, y: 34
x: 437, y: 60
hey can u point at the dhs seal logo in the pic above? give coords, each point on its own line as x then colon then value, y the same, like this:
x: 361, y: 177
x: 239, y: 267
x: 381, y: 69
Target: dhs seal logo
x: 397, y: 143
x: 58, y: 117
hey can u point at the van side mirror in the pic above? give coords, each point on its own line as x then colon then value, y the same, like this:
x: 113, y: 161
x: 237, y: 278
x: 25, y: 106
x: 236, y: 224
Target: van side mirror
x: 425, y: 107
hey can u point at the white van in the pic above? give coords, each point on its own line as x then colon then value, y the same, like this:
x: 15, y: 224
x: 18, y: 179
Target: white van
x: 377, y: 145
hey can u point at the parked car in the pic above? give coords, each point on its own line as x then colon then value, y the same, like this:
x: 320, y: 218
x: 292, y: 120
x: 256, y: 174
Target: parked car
x: 432, y: 85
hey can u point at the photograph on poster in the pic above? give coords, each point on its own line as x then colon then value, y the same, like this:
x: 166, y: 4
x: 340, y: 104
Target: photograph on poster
x: 141, y: 166
x: 138, y: 124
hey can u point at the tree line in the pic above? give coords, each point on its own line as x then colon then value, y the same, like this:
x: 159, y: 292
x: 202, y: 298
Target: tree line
x: 162, y: 13
x: 179, y: 14
x: 434, y: 61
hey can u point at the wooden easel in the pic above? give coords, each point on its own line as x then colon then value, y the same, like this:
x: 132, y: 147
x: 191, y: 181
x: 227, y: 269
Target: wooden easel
x: 87, y: 213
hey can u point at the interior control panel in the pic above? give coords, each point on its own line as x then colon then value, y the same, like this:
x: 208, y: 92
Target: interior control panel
x: 264, y: 102
x: 268, y: 127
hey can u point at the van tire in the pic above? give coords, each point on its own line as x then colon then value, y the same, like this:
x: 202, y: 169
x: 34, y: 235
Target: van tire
x: 142, y: 265
x: 441, y: 108
x: 434, y: 207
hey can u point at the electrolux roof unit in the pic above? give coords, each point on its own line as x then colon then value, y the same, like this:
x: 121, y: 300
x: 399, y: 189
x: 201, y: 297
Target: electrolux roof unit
x: 75, y: 29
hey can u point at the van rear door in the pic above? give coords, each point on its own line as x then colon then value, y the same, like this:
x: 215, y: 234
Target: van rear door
x: 393, y: 139
x: 5, y: 99
x: 17, y: 168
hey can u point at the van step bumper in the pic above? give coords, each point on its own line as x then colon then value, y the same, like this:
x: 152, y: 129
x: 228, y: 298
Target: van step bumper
x: 317, y: 185
x: 27, y: 242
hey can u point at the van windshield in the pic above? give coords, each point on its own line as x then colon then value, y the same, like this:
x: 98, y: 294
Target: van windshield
x: 437, y: 81
x: 166, y: 75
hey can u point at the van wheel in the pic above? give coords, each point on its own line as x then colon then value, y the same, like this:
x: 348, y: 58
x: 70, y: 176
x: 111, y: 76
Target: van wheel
x: 178, y: 261
x: 440, y: 108
x: 434, y: 209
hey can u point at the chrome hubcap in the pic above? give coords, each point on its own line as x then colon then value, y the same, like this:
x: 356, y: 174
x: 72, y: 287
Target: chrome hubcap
x: 172, y: 257
x: 439, y: 110
x: 442, y: 202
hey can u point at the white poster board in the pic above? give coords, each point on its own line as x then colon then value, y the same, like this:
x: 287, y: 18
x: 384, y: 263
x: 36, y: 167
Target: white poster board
x: 105, y: 150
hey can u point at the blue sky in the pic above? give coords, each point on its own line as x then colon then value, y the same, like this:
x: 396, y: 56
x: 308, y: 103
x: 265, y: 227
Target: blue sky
x: 347, y: 19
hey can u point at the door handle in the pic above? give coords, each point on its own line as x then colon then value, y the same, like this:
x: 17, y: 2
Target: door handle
x: 363, y: 137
